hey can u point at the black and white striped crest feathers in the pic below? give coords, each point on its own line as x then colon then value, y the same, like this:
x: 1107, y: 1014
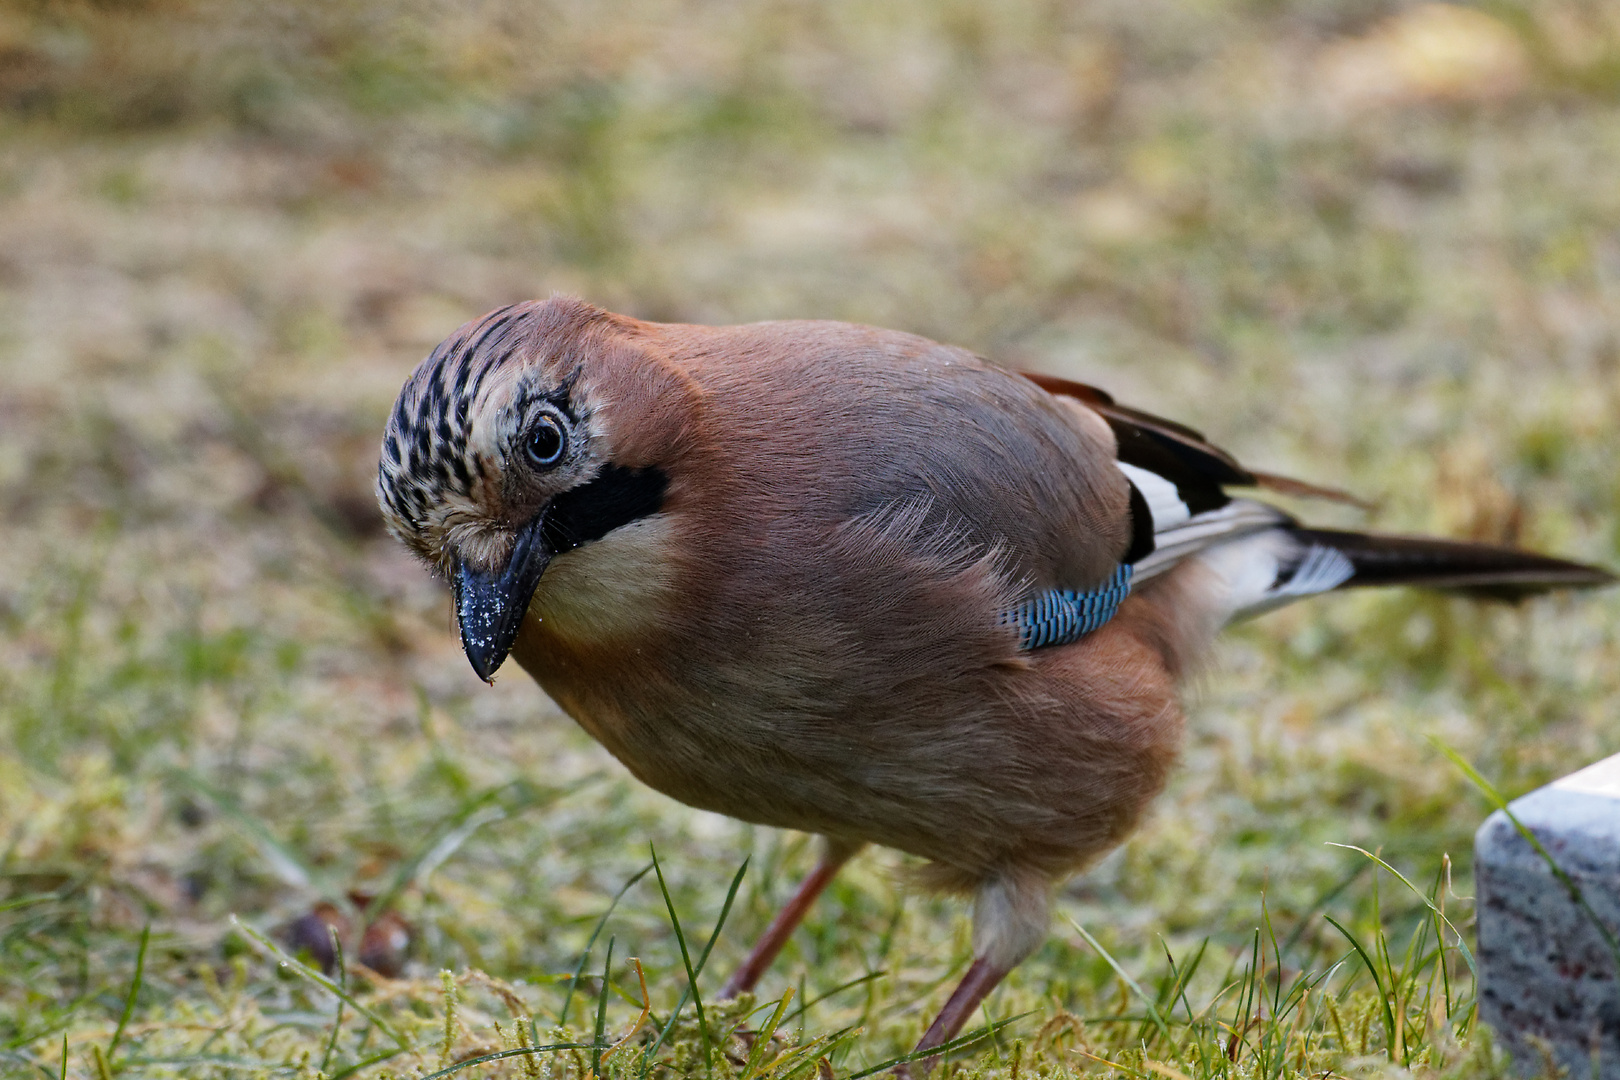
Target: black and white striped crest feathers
x: 458, y: 418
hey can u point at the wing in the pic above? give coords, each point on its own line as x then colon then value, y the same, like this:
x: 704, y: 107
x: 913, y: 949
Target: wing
x: 1180, y: 508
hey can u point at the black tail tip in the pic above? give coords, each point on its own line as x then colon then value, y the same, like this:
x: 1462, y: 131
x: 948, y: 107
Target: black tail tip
x: 1472, y: 569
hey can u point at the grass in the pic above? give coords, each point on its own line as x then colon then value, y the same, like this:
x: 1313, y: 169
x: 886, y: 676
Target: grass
x: 227, y: 232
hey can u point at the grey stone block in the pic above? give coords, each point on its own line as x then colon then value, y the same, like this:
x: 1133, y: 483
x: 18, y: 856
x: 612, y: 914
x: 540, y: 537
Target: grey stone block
x: 1548, y: 978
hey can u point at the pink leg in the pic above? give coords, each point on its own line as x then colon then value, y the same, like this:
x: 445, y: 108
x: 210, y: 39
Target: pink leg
x: 835, y: 853
x: 981, y: 978
x: 1009, y: 921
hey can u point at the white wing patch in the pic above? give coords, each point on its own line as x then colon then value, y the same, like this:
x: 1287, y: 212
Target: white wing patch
x: 1240, y: 517
x: 1248, y: 568
x: 1163, y: 500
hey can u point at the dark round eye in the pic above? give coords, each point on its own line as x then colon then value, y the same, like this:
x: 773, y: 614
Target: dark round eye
x: 547, y: 441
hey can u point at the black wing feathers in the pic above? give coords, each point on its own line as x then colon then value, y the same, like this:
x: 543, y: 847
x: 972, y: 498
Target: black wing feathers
x: 1194, y: 463
x: 1171, y: 450
x: 1142, y: 541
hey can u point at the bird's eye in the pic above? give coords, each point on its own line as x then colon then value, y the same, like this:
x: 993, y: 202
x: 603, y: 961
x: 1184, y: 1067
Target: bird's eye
x: 547, y: 441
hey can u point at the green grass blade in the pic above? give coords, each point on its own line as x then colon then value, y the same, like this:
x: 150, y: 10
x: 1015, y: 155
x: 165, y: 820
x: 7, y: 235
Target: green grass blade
x: 816, y: 1048
x: 29, y: 901
x: 134, y: 992
x: 601, y: 1013
x: 488, y: 806
x: 762, y: 1038
x: 1322, y: 901
x: 579, y: 969
x: 725, y: 910
x: 691, y: 973
x: 363, y: 1064
x: 1153, y: 1010
x: 282, y: 860
x: 1183, y: 976
x: 342, y: 968
x: 1246, y: 1000
x: 443, y: 843
x: 1439, y: 924
x: 1276, y: 954
x: 213, y: 1061
x: 1383, y: 996
x: 805, y: 1003
x: 298, y: 967
x: 1462, y: 946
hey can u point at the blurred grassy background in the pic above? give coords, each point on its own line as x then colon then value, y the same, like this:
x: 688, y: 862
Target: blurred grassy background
x: 1366, y: 243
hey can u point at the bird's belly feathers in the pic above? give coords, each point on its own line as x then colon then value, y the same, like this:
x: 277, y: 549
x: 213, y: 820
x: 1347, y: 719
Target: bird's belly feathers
x: 984, y: 755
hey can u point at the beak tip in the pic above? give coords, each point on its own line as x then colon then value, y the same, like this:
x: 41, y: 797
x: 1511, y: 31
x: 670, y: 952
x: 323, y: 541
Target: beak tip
x: 485, y: 662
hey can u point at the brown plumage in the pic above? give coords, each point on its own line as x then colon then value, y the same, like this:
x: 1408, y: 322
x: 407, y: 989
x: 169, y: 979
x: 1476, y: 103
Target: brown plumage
x: 781, y: 572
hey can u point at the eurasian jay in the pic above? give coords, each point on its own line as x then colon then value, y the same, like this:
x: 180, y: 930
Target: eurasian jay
x: 849, y: 581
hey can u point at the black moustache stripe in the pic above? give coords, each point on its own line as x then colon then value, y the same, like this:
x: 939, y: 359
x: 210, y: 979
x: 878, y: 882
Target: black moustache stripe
x: 616, y: 497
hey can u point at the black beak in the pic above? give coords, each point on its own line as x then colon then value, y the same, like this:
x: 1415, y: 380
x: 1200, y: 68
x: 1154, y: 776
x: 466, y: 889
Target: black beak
x: 491, y: 604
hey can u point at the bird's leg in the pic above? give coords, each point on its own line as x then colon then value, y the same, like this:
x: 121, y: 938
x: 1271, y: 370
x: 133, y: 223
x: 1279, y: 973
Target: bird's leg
x: 1009, y: 923
x: 834, y: 854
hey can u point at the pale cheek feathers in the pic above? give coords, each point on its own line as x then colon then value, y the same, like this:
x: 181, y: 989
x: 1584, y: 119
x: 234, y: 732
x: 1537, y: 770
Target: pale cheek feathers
x: 616, y: 587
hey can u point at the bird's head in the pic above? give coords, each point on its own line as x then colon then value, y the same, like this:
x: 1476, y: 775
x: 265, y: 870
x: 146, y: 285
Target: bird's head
x: 529, y: 432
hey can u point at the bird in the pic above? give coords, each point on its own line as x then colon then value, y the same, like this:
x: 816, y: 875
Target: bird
x: 850, y: 581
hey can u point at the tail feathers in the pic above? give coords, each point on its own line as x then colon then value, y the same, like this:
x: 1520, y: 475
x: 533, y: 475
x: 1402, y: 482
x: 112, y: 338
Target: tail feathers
x: 1265, y: 570
x: 1474, y: 569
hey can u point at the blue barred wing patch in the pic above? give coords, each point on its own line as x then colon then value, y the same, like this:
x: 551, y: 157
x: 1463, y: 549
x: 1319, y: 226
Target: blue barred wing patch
x: 1063, y: 615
